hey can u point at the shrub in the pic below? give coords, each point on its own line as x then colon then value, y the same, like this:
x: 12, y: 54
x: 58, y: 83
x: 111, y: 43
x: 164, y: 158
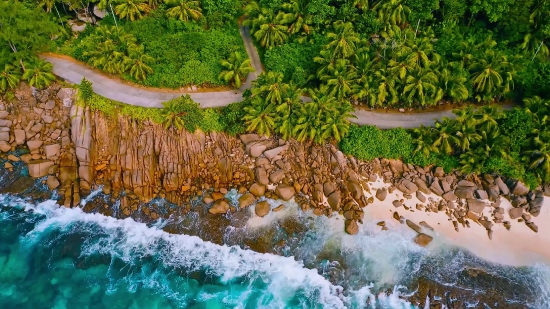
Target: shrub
x: 231, y: 118
x: 369, y: 142
x: 86, y: 91
x: 211, y: 121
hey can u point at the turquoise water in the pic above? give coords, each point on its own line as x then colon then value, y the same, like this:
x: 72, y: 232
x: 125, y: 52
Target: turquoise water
x: 53, y: 257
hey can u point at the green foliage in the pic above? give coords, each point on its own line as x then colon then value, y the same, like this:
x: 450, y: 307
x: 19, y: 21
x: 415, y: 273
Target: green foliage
x: 517, y: 125
x: 369, y: 142
x: 85, y: 89
x: 231, y: 118
x: 448, y: 163
x: 211, y: 121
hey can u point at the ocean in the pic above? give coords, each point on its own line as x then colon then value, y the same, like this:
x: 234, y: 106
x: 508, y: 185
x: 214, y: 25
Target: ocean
x: 53, y: 257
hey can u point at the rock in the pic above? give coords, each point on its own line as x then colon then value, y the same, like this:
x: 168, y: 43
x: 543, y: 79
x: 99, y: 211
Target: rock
x: 278, y: 208
x: 502, y: 186
x: 426, y: 225
x: 13, y: 158
x: 261, y: 161
x: 381, y: 194
x: 532, y: 226
x: 519, y: 201
x: 52, y: 150
x: 475, y: 205
x: 515, y: 213
x: 397, y: 204
x: 334, y: 200
x: 246, y: 200
x: 329, y: 187
x: 482, y: 194
x: 439, y: 172
x: 223, y: 190
x: 52, y: 182
x: 473, y: 216
x: 276, y: 176
x: 49, y: 105
x: 272, y: 153
x: 436, y: 188
x: 37, y: 127
x: 397, y: 217
x: 490, y: 234
x: 449, y: 196
x: 423, y: 240
x: 4, y: 146
x: 4, y: 114
x: 285, y: 192
x: 420, y: 197
x: 219, y: 207
x: 262, y: 208
x: 34, y: 145
x: 47, y: 119
x: 422, y: 187
x: 486, y: 224
x: 20, y: 136
x: 8, y: 165
x: 40, y: 168
x: 464, y: 192
x: 355, y: 189
x: 445, y: 185
x: 257, y: 190
x: 261, y: 176
x: 257, y: 148
x: 520, y: 189
x: 415, y: 227
x: 351, y: 227
x: 217, y: 196
x: 526, y: 217
x: 249, y: 138
x: 406, y: 186
x: 5, y: 123
x: 466, y: 183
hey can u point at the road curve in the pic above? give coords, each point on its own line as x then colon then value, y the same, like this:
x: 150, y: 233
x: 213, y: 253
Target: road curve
x: 73, y: 71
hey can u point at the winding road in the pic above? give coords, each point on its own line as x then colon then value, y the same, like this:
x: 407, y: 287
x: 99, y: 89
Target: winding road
x: 112, y: 88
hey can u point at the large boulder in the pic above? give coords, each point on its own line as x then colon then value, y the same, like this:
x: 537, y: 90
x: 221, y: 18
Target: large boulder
x: 423, y: 240
x: 520, y: 189
x: 40, y: 168
x: 351, y: 227
x: 261, y: 176
x: 285, y: 192
x: 34, y: 144
x: 329, y: 187
x: 256, y: 149
x: 249, y: 138
x: 466, y: 183
x: 464, y: 192
x: 257, y: 190
x: 334, y: 200
x: 276, y: 176
x: 20, y: 136
x: 262, y: 208
x: 422, y: 187
x: 502, y: 186
x: 52, y: 150
x: 449, y: 196
x: 272, y: 153
x: 415, y: 227
x: 407, y: 186
x: 436, y: 188
x: 246, y: 200
x: 52, y: 182
x: 475, y: 205
x: 4, y: 146
x: 381, y: 194
x: 219, y: 207
x: 355, y: 189
x: 515, y: 213
x: 420, y: 197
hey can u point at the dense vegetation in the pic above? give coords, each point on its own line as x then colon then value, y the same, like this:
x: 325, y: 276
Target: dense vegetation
x: 163, y: 43
x: 405, y: 53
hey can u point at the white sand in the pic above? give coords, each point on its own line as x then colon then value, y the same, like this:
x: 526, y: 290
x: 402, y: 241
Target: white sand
x: 518, y: 247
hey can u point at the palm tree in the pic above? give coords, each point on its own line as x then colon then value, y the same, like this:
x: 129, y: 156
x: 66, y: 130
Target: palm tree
x: 472, y: 161
x: 538, y: 157
x: 343, y: 42
x: 137, y: 63
x: 270, y: 87
x: 260, y: 116
x: 132, y: 9
x: 393, y: 12
x: 271, y: 34
x: 9, y: 78
x: 286, y: 112
x: 184, y: 9
x: 236, y: 70
x: 326, y: 62
x: 537, y: 106
x: 47, y: 3
x: 309, y: 122
x: 487, y: 117
x: 453, y: 85
x: 298, y: 17
x: 172, y: 115
x: 340, y: 80
x: 424, y: 138
x: 421, y: 87
x: 39, y: 73
x: 486, y: 75
x: 447, y: 138
x: 336, y: 123
x: 466, y: 133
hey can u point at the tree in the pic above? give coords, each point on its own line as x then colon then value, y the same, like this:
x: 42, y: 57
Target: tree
x: 486, y: 77
x: 287, y: 112
x: 393, y: 12
x: 236, y: 70
x: 340, y: 80
x: 270, y: 87
x: 25, y: 29
x: 421, y: 87
x: 259, y: 116
x: 297, y: 17
x: 538, y: 157
x: 493, y: 9
x: 132, y: 9
x: 447, y: 139
x: 39, y: 73
x: 453, y: 85
x: 343, y: 40
x: 184, y: 10
x: 172, y: 115
x: 9, y: 78
x: 271, y: 34
x: 424, y: 138
x: 336, y: 124
x: 137, y: 63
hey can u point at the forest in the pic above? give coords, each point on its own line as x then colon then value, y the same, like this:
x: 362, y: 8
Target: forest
x: 335, y: 54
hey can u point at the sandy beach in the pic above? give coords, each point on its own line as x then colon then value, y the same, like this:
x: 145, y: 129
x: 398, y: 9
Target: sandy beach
x: 519, y: 246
